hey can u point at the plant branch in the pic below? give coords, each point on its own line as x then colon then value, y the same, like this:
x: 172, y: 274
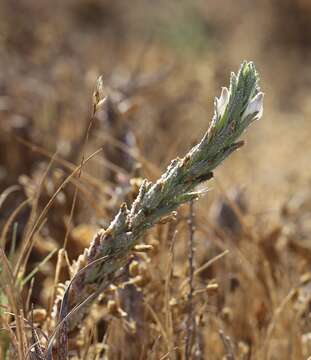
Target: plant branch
x: 235, y: 109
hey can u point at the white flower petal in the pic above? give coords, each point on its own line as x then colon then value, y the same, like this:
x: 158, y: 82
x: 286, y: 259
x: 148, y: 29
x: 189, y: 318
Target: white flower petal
x: 223, y: 100
x: 254, y: 106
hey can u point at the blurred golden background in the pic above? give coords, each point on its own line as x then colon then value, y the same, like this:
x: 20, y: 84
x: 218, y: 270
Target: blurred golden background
x: 163, y: 62
x: 52, y: 53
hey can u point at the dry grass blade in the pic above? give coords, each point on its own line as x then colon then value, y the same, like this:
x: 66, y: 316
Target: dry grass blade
x: 160, y: 325
x: 64, y: 313
x: 66, y: 164
x: 27, y: 278
x: 169, y: 322
x: 28, y: 241
x: 10, y: 220
x: 205, y: 266
x: 7, y: 192
x: 7, y: 284
x: 276, y: 316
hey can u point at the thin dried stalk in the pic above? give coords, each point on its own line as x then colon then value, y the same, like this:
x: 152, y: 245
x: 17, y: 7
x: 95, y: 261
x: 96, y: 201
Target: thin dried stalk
x: 234, y: 111
x: 229, y: 353
x: 190, y: 319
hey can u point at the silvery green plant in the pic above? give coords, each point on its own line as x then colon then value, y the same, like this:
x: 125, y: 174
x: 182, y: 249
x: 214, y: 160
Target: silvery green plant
x: 235, y: 109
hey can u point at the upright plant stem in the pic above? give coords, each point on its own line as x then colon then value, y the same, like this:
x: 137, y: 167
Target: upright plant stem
x: 190, y: 320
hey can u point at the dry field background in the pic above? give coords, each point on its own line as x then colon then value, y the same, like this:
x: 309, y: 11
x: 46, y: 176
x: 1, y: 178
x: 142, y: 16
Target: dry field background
x: 162, y: 63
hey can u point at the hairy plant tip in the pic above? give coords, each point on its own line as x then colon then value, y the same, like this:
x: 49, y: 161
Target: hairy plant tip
x: 235, y: 109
